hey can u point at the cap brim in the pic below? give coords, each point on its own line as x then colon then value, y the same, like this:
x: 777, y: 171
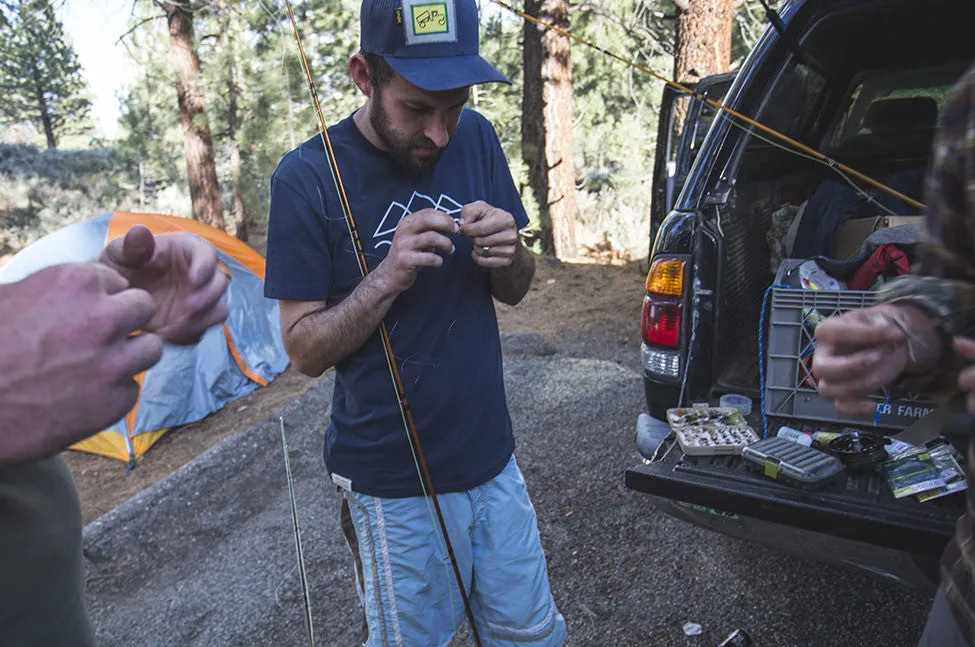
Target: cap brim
x: 446, y: 72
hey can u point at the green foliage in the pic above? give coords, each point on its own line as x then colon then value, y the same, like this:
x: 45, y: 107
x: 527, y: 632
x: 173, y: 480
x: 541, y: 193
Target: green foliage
x: 44, y: 190
x: 614, y: 128
x: 40, y: 78
x: 277, y: 102
x: 616, y: 118
x: 750, y: 23
x: 149, y: 151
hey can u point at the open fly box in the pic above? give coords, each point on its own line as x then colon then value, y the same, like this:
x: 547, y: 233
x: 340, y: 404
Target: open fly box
x: 792, y: 463
x: 705, y: 431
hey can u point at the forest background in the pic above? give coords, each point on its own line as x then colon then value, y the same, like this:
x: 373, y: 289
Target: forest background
x: 220, y: 97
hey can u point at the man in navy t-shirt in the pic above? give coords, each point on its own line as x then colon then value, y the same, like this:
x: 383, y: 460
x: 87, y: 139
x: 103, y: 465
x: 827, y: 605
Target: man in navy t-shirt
x: 437, y: 215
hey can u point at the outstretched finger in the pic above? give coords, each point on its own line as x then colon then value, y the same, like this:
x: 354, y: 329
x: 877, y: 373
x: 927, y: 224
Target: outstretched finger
x: 190, y: 329
x: 832, y: 365
x: 205, y: 297
x: 860, y: 328
x: 134, y: 310
x: 860, y: 383
x: 202, y: 257
x: 139, y: 353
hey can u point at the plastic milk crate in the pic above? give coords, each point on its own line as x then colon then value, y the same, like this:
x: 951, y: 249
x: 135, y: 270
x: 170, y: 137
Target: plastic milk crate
x: 790, y: 391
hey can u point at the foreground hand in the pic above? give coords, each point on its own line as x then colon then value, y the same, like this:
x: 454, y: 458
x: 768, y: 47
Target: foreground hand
x: 494, y: 232
x: 418, y: 238
x: 180, y: 273
x: 966, y: 379
x: 857, y: 354
x: 68, y: 357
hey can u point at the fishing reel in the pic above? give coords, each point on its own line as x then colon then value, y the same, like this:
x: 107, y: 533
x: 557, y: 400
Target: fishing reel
x: 859, y: 449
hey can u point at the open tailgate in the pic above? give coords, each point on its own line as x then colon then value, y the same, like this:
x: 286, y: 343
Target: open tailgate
x: 863, y: 509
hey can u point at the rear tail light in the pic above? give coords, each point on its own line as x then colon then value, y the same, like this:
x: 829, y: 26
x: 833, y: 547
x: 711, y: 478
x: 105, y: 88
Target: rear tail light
x: 662, y: 321
x: 661, y: 362
x: 663, y: 317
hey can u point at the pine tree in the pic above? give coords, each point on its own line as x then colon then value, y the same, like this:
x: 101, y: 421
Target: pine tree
x: 229, y: 28
x: 40, y: 78
x: 201, y: 170
x: 547, y: 146
x: 704, y: 35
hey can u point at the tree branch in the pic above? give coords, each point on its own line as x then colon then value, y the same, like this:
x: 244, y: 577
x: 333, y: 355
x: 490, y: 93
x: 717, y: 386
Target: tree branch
x: 638, y: 33
x: 136, y: 26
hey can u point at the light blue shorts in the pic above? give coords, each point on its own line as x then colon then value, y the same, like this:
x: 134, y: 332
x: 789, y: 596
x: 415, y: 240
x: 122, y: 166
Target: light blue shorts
x: 406, y: 583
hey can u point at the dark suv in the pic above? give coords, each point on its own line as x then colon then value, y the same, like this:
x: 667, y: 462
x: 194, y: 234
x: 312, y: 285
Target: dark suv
x: 862, y: 81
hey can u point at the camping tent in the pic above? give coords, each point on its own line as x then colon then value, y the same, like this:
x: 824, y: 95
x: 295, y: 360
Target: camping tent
x: 190, y: 381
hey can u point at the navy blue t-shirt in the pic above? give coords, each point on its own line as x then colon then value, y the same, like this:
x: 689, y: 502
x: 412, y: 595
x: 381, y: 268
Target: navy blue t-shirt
x: 443, y: 330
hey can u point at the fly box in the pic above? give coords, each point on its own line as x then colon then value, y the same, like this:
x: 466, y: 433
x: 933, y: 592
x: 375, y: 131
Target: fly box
x: 792, y: 463
x: 707, y: 431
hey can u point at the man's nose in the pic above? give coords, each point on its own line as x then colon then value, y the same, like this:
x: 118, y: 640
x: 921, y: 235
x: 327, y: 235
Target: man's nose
x: 436, y: 131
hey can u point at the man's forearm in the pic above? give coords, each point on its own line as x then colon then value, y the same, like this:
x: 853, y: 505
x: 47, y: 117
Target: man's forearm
x: 325, y: 337
x: 510, y: 284
x: 935, y: 309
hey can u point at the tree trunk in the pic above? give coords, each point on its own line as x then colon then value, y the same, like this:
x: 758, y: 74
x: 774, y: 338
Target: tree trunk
x: 142, y: 183
x: 233, y: 92
x: 703, y: 44
x: 547, y: 125
x: 201, y: 170
x: 52, y: 141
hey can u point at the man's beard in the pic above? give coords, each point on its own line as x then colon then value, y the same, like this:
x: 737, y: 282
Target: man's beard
x: 400, y: 148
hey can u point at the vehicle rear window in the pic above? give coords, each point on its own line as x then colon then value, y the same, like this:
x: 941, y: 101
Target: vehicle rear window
x: 893, y: 103
x: 799, y: 98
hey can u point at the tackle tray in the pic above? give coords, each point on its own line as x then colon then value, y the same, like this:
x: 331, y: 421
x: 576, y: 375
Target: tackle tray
x: 792, y: 463
x: 706, y: 431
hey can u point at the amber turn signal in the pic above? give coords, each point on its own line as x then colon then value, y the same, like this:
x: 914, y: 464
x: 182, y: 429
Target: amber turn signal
x: 666, y: 277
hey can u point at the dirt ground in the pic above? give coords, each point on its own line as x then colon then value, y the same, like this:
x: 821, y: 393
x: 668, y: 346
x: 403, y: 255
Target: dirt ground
x: 567, y: 301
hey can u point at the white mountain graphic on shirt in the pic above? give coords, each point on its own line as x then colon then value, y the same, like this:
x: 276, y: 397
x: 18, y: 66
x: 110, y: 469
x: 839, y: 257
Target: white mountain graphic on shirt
x: 397, y: 210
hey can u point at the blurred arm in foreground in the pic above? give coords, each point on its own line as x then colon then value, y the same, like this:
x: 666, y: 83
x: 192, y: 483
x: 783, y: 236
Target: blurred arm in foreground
x: 919, y: 338
x: 68, y: 357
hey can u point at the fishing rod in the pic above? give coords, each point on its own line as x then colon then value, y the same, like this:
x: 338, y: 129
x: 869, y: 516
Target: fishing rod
x: 812, y: 152
x: 302, y: 572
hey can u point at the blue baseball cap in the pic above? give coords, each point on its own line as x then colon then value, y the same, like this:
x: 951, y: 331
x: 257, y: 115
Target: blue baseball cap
x: 433, y: 44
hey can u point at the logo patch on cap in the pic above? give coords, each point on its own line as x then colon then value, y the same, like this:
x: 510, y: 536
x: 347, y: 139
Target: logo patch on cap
x: 429, y: 21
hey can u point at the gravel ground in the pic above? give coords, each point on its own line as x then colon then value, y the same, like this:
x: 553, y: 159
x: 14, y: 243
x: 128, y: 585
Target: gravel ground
x: 206, y: 557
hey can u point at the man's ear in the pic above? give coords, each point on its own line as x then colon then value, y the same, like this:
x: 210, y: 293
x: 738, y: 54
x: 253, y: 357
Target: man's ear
x: 359, y: 70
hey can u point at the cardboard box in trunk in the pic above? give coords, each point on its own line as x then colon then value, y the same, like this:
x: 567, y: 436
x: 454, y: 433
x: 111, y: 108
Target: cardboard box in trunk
x: 853, y: 233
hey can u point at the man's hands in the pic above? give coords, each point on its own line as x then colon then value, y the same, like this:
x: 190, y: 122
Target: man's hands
x: 180, y: 273
x: 494, y: 232
x: 66, y: 357
x: 420, y: 235
x: 68, y: 352
x: 862, y: 351
x: 415, y: 244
